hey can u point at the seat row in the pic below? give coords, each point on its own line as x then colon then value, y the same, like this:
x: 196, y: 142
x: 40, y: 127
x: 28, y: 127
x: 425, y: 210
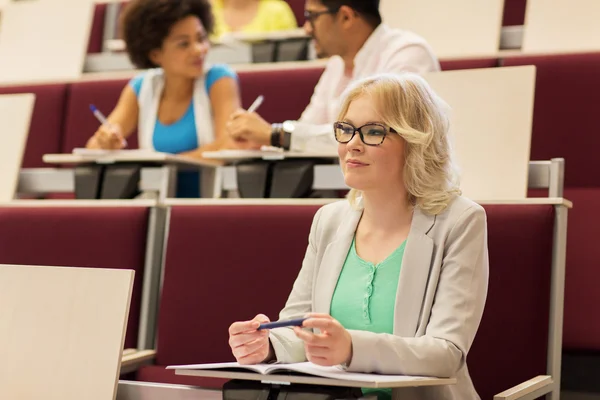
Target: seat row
x: 564, y: 113
x: 220, y: 265
x: 514, y: 14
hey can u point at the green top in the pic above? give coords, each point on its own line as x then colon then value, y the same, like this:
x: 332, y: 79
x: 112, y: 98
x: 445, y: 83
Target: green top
x: 365, y: 296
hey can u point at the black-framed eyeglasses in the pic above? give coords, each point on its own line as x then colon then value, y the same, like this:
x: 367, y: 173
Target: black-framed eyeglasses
x: 372, y: 134
x: 311, y: 16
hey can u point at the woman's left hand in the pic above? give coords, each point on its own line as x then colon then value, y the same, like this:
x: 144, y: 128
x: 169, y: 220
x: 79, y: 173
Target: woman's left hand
x: 333, y: 346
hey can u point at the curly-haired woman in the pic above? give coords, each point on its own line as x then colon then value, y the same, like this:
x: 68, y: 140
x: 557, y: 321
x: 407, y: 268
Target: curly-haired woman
x: 180, y: 105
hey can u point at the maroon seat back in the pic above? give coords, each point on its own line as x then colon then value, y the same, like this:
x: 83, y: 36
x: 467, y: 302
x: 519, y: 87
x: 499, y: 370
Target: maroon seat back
x: 222, y: 264
x: 287, y: 92
x: 45, y: 132
x: 225, y: 263
x: 449, y: 65
x: 96, y: 237
x: 564, y: 125
x: 511, y: 344
x: 80, y: 123
x: 565, y: 116
x: 297, y: 7
x: 514, y: 12
x: 581, y: 333
x: 97, y: 29
x: 582, y: 273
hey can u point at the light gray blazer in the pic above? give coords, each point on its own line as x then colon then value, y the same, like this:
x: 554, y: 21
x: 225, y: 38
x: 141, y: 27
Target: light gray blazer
x: 439, y: 303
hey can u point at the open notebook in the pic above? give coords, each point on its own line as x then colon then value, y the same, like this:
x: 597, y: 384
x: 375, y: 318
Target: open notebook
x: 307, y: 368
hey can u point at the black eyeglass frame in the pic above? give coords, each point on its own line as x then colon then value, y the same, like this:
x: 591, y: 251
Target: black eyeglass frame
x: 385, y: 129
x: 311, y: 16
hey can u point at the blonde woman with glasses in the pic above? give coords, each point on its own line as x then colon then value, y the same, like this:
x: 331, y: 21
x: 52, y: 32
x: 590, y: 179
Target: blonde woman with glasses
x: 395, y: 278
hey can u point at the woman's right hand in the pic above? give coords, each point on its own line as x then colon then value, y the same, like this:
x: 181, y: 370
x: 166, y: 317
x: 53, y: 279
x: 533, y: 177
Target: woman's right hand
x: 107, y: 137
x: 249, y: 345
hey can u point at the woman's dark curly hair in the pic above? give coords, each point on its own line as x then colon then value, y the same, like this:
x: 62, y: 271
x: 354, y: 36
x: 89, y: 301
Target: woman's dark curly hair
x: 146, y: 23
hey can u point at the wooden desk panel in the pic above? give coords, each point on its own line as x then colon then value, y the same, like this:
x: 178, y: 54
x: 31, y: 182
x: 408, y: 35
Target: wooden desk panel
x: 62, y: 331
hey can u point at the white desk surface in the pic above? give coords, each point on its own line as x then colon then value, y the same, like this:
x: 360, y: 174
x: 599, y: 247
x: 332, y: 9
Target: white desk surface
x: 558, y: 26
x: 555, y: 201
x: 62, y: 331
x: 78, y: 203
x: 55, y: 34
x: 133, y: 156
x: 128, y: 74
x: 315, y: 380
x: 289, y: 34
x: 452, y: 28
x: 491, y: 114
x: 551, y: 201
x: 248, y: 202
x: 277, y: 66
x: 240, y: 155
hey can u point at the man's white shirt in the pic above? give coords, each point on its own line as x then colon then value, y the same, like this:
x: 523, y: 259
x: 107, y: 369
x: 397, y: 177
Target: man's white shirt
x: 387, y: 50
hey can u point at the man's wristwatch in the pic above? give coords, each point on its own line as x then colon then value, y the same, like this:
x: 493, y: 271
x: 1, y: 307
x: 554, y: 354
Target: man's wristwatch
x: 281, y: 135
x: 276, y: 131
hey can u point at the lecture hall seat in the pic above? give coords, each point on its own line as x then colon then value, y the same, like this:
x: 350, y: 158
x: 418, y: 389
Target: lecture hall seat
x: 469, y: 63
x: 565, y: 124
x: 581, y: 330
x: 297, y: 7
x: 511, y: 344
x: 287, y: 92
x: 565, y: 115
x: 80, y: 123
x: 45, y: 132
x: 95, y: 237
x: 223, y: 263
x: 97, y: 29
x: 514, y: 12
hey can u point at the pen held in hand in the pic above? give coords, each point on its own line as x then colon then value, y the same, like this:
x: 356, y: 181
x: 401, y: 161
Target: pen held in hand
x: 281, y: 324
x: 256, y: 103
x: 103, y: 120
x: 99, y: 116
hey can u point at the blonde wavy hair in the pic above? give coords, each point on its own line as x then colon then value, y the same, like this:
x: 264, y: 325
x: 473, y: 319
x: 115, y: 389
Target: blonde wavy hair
x: 406, y: 103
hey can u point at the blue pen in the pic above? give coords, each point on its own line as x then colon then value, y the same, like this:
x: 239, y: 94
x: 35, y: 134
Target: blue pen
x: 281, y: 324
x: 102, y: 119
x: 99, y: 116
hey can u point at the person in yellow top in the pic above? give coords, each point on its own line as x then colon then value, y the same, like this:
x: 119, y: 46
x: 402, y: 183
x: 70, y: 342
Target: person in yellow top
x: 252, y: 16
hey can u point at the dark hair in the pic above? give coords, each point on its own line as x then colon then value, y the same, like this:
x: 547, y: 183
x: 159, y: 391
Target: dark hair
x: 369, y: 9
x: 146, y: 23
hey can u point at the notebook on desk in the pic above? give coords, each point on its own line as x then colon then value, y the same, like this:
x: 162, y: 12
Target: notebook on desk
x: 265, y: 152
x: 81, y: 151
x: 306, y: 372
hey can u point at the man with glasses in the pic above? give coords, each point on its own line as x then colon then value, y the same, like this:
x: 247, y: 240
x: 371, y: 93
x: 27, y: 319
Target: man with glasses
x: 352, y: 34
